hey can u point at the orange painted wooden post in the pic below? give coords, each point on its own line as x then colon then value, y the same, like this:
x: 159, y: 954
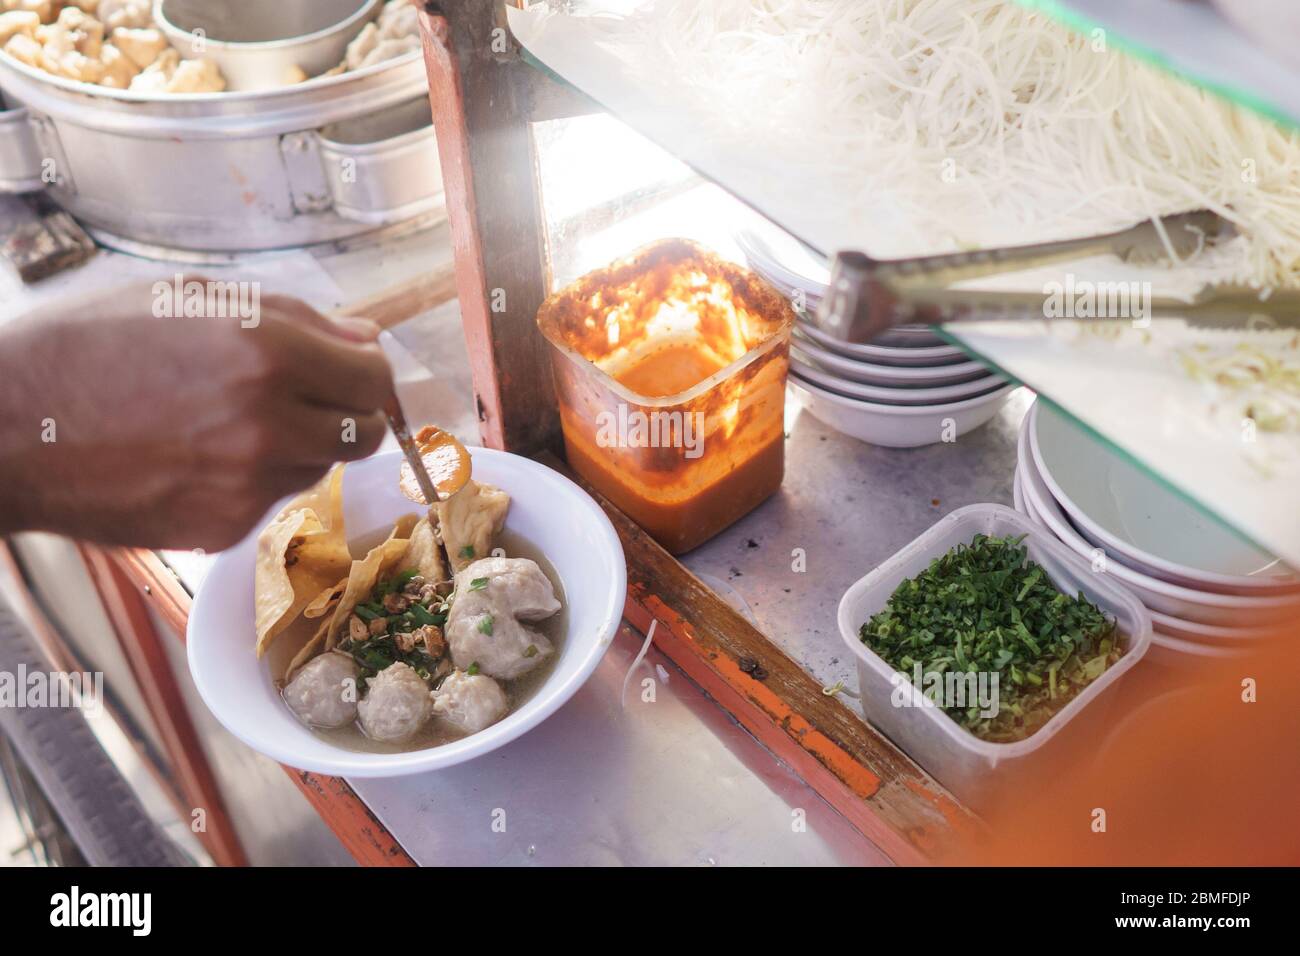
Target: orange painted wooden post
x: 356, y: 827
x: 479, y: 93
x: 152, y: 670
x: 63, y: 658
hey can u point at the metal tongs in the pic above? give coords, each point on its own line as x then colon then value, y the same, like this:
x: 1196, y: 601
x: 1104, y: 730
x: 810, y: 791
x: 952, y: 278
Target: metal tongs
x: 867, y: 297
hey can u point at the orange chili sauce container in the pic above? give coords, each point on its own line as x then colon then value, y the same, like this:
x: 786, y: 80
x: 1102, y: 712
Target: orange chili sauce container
x: 670, y: 370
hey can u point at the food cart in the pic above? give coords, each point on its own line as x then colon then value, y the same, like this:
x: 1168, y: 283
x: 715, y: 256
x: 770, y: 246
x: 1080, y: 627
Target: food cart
x: 725, y: 724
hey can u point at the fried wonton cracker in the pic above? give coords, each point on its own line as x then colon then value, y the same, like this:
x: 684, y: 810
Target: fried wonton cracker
x: 366, y: 573
x: 309, y: 650
x: 303, y: 552
x: 424, y: 554
x: 469, y: 520
x: 324, y: 601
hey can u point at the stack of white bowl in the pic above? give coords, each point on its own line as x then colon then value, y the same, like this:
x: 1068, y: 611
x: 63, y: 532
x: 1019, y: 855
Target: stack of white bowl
x: 1210, y: 591
x: 906, y: 388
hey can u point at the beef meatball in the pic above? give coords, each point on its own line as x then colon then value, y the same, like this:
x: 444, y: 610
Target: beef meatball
x: 396, y: 704
x: 487, y: 626
x: 470, y: 703
x: 324, y: 691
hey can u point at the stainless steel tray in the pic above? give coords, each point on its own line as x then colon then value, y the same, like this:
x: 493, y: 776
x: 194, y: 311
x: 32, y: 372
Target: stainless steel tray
x: 226, y: 172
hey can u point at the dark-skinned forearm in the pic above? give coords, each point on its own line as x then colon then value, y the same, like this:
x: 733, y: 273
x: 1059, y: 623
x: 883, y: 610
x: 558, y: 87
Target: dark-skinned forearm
x: 21, y: 425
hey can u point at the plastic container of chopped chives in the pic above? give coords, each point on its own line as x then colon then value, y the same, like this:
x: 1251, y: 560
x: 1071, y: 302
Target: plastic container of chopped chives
x: 973, y: 768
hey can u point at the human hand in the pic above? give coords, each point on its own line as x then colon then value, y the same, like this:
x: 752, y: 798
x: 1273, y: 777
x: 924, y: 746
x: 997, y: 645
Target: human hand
x: 179, y: 432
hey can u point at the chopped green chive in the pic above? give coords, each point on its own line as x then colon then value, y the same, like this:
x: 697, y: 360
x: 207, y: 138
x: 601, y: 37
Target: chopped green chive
x: 985, y: 608
x: 478, y: 584
x: 421, y: 615
x: 485, y: 624
x: 472, y: 669
x: 467, y: 551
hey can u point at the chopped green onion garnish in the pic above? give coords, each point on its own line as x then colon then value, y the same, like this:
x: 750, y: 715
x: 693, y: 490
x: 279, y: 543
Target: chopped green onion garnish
x: 485, y: 624
x: 478, y: 584
x: 421, y: 615
x: 985, y: 610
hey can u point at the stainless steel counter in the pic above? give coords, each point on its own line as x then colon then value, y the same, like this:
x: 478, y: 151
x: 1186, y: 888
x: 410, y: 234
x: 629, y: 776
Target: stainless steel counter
x: 667, y: 781
x: 848, y: 506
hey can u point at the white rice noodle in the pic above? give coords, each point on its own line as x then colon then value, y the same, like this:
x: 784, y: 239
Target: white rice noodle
x: 1047, y: 136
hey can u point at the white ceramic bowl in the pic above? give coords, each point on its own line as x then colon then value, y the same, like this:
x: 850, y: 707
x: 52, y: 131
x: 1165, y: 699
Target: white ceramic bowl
x: 898, y: 426
x: 1202, y: 607
x: 1211, y: 634
x: 1018, y: 497
x: 926, y: 357
x: 1171, y: 652
x: 1118, y: 505
x: 888, y: 376
x: 786, y: 258
x: 802, y: 276
x: 1166, y: 625
x: 803, y: 368
x: 547, y: 509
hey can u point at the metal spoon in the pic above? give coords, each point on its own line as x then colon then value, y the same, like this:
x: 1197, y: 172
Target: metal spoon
x: 437, y: 464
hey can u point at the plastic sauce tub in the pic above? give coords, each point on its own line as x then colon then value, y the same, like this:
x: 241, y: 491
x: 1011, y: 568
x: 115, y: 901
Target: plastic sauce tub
x: 670, y: 369
x: 965, y: 764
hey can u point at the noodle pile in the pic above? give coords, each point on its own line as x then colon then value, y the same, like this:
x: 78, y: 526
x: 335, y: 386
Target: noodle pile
x: 981, y: 122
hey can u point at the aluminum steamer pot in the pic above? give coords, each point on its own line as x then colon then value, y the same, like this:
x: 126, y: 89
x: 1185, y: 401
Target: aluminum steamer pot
x: 321, y: 161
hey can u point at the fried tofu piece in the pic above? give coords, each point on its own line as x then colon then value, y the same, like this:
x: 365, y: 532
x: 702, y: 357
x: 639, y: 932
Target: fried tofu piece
x: 119, y: 69
x: 16, y: 23
x: 25, y: 49
x: 82, y: 31
x: 141, y: 47
x: 196, y: 76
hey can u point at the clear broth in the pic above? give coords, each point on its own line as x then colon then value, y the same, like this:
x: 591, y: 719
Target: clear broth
x: 519, y: 691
